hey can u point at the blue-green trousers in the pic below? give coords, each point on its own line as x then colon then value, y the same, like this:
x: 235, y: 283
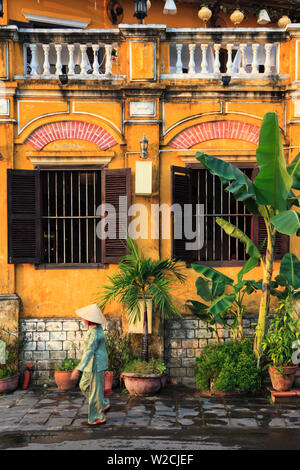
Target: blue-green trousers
x: 92, y: 386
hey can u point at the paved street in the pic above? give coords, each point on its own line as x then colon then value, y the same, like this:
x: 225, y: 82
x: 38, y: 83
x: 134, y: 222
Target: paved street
x: 177, y: 419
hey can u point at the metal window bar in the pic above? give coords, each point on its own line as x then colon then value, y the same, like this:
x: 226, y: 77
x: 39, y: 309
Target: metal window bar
x: 236, y: 213
x: 60, y: 188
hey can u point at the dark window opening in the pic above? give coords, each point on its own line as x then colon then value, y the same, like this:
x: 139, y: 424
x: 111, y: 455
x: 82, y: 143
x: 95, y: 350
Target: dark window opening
x: 208, y: 190
x: 69, y: 203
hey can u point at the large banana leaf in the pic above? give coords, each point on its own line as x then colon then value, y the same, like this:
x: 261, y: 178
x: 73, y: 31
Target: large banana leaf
x: 211, y: 273
x: 238, y: 183
x: 203, y: 289
x: 248, y: 266
x: 235, y: 232
x: 286, y: 222
x: 221, y: 304
x: 273, y: 182
x: 294, y: 171
x: 290, y: 270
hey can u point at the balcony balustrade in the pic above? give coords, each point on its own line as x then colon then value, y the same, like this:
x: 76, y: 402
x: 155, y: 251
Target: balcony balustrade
x: 183, y: 53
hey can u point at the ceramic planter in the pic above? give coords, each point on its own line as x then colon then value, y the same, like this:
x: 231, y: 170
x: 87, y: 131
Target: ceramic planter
x: 282, y: 381
x: 63, y: 380
x: 9, y: 384
x: 142, y: 384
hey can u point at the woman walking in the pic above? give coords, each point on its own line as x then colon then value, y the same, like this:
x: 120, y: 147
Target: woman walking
x: 93, y: 364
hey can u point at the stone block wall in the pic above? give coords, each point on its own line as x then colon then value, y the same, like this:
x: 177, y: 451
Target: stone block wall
x: 185, y: 340
x: 48, y: 341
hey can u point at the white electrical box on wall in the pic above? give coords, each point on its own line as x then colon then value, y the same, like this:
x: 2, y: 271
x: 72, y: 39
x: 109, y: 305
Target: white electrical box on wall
x: 138, y: 326
x: 143, y: 178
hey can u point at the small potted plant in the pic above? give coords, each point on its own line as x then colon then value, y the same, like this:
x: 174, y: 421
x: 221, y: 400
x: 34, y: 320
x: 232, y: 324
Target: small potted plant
x: 144, y: 378
x: 278, y: 345
x: 9, y: 376
x: 138, y: 278
x: 62, y: 374
x: 284, y: 328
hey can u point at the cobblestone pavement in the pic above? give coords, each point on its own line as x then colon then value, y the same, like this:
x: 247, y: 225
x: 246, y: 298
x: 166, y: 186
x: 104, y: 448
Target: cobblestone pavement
x: 176, y: 411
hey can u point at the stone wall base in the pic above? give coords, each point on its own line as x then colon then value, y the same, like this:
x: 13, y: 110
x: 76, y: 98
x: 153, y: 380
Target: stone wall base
x: 48, y: 341
x: 185, y: 340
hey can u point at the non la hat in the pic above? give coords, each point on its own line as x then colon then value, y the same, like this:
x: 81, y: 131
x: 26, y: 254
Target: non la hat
x: 92, y: 313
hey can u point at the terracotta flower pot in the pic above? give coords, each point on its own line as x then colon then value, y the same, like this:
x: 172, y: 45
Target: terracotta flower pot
x: 142, y: 384
x: 63, y: 380
x: 282, y: 381
x: 108, y: 381
x: 9, y: 384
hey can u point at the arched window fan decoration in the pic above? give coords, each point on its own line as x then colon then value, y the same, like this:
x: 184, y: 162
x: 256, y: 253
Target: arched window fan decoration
x: 114, y: 12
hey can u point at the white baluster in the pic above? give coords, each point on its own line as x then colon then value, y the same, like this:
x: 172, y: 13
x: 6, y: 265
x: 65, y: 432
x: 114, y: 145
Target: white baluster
x: 71, y: 65
x: 192, y: 60
x: 268, y: 68
x: 83, y: 65
x: 254, y: 59
x: 96, y: 64
x: 33, y: 62
x: 58, y: 70
x: 217, y: 58
x: 108, y: 49
x: 46, y: 67
x: 242, y: 62
x: 229, y: 60
x: 178, y: 60
x: 204, y: 59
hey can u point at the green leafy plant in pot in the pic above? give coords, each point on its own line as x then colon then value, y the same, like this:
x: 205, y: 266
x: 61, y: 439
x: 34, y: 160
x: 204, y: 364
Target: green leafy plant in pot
x: 140, y: 278
x: 284, y: 329
x: 62, y: 374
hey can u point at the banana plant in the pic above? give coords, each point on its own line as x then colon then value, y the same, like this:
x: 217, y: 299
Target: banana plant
x: 211, y: 288
x: 271, y: 196
x: 287, y: 284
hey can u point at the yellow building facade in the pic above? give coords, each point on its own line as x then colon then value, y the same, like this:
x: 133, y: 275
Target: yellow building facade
x: 78, y: 93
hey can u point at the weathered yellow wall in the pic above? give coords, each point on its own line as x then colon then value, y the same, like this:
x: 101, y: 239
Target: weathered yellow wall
x: 58, y: 292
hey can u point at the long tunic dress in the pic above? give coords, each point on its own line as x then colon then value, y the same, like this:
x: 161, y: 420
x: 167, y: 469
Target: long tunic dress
x: 93, y: 364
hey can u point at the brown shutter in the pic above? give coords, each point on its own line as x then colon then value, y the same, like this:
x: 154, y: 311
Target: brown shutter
x: 181, y: 193
x: 259, y: 234
x: 24, y: 221
x: 116, y: 183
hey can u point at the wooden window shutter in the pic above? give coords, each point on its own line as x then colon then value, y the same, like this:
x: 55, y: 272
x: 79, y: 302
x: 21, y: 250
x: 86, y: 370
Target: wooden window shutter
x: 24, y: 221
x: 116, y: 183
x: 181, y: 193
x: 259, y: 234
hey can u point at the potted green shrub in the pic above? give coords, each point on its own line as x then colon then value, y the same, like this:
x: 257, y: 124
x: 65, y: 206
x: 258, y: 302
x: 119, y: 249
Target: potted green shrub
x: 284, y: 328
x: 228, y: 368
x: 144, y: 378
x: 278, y: 346
x: 62, y: 374
x: 9, y: 376
x: 138, y: 278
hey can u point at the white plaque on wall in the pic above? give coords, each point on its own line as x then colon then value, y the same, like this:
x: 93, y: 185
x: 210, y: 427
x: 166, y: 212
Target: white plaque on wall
x: 297, y: 108
x: 142, y: 108
x: 4, y: 107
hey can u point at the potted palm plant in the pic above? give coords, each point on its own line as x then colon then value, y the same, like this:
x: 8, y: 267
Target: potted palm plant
x: 139, y: 278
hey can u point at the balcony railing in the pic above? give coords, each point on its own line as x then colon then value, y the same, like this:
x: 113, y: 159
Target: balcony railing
x: 212, y: 53
x: 81, y: 55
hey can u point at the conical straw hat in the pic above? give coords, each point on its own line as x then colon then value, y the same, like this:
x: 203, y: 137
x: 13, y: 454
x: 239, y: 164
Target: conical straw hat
x: 92, y: 313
